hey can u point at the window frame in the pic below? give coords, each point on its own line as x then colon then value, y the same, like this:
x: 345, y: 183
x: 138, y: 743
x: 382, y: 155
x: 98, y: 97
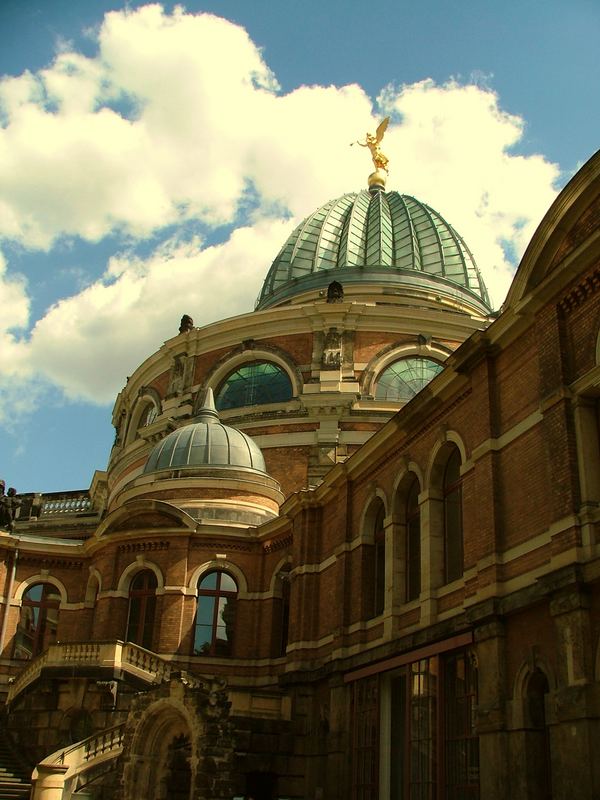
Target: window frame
x: 42, y: 635
x: 403, y: 360
x: 453, y: 518
x: 215, y: 648
x: 412, y: 548
x: 221, y: 390
x: 143, y: 600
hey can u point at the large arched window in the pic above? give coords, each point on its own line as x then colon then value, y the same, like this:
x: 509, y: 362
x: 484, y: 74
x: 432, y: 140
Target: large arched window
x: 38, y: 620
x: 281, y: 612
x: 379, y: 562
x: 142, y: 609
x: 401, y: 381
x: 215, y: 616
x: 453, y: 529
x: 374, y: 564
x: 252, y: 384
x: 413, y: 542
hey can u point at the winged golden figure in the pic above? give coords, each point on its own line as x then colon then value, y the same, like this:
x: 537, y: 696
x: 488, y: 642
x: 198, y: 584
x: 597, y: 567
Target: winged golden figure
x: 380, y: 160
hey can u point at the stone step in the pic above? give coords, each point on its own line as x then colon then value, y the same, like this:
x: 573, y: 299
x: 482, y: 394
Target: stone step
x: 14, y: 793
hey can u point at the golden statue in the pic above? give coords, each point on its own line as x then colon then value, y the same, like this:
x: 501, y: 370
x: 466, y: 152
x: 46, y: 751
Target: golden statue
x: 380, y: 160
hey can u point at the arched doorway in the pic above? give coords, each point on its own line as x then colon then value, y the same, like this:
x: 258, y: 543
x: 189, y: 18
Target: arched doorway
x: 160, y: 764
x: 539, y: 763
x: 261, y: 786
x: 178, y: 770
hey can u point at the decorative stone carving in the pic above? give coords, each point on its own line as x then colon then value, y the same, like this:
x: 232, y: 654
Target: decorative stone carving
x: 335, y: 292
x: 186, y: 324
x: 332, y: 350
x: 177, y: 375
x: 9, y: 504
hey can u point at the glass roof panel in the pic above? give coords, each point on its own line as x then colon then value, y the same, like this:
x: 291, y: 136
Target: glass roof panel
x: 253, y: 384
x: 402, y: 380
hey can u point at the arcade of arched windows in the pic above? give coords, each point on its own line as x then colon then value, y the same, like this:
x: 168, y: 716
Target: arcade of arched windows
x: 420, y: 545
x: 135, y: 614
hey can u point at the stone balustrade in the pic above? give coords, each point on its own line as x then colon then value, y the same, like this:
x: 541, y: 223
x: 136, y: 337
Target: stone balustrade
x: 60, y: 774
x: 65, y: 504
x: 115, y: 656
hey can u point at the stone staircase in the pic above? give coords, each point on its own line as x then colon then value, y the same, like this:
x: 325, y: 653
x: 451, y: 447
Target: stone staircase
x: 14, y: 781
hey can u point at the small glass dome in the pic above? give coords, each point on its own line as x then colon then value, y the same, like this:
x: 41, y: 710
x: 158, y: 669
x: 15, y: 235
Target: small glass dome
x: 403, y: 379
x: 206, y: 442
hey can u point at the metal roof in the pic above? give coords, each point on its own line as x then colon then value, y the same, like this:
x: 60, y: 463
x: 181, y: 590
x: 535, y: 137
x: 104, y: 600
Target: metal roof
x: 373, y: 236
x: 206, y: 442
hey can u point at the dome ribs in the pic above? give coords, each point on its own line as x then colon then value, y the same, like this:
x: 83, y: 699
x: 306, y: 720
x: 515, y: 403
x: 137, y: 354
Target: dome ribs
x: 353, y: 235
x: 454, y: 261
x: 430, y: 245
x: 328, y: 246
x: 375, y: 237
x: 155, y: 455
x: 406, y: 246
x: 379, y: 245
x: 302, y: 261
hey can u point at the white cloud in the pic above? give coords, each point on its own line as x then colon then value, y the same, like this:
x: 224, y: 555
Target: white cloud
x: 174, y: 119
x: 89, y: 342
x: 453, y: 150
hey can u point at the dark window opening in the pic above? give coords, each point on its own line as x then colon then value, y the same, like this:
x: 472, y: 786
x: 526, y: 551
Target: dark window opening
x: 365, y: 739
x: 379, y: 562
x: 453, y: 526
x: 142, y: 609
x: 413, y: 542
x: 462, y: 744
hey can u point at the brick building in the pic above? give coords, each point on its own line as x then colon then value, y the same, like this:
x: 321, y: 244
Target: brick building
x: 345, y: 545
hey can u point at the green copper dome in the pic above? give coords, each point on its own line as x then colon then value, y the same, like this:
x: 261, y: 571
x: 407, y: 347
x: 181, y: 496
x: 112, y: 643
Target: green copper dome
x: 206, y: 442
x: 376, y: 237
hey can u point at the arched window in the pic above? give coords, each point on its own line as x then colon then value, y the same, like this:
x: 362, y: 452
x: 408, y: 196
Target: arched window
x: 215, y: 616
x: 149, y: 414
x: 453, y: 530
x: 142, y: 609
x: 38, y: 620
x: 253, y: 384
x: 375, y: 564
x: 403, y: 379
x: 539, y: 772
x: 281, y: 612
x: 413, y: 542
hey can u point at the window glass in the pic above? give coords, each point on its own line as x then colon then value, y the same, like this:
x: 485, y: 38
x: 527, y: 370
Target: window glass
x: 215, y: 615
x: 433, y: 739
x: 365, y: 739
x: 401, y: 381
x: 374, y: 561
x: 462, y: 744
x: 149, y: 414
x: 142, y: 609
x: 253, y: 384
x: 453, y: 532
x: 413, y: 542
x: 379, y: 587
x: 38, y: 621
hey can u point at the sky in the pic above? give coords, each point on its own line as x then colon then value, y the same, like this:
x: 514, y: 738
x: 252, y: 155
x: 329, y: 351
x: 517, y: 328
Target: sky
x: 154, y: 158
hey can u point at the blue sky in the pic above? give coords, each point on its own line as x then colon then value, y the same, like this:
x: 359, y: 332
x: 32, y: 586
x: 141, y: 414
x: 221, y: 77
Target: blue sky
x: 153, y: 158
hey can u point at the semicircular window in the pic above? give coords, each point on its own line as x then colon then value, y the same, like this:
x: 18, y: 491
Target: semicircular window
x: 403, y: 379
x: 253, y: 384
